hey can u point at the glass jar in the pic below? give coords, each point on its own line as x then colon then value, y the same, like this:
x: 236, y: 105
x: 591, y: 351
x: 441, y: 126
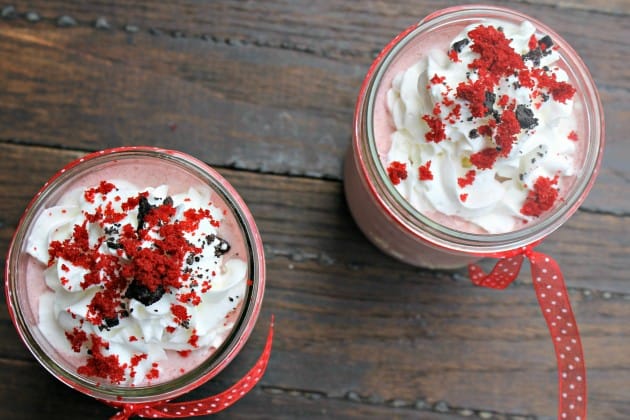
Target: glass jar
x: 143, y: 167
x: 388, y: 219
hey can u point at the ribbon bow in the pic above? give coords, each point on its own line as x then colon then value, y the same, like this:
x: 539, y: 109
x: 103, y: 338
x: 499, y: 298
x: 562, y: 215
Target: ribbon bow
x: 554, y: 302
x: 204, y: 406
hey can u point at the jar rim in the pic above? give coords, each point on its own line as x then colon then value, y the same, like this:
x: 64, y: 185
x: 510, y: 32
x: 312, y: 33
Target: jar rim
x: 233, y: 342
x: 412, y: 220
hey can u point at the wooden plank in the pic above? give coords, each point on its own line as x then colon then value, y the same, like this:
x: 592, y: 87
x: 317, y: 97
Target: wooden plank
x: 586, y: 245
x: 49, y: 399
x: 290, y: 110
x: 351, y: 320
x: 419, y: 338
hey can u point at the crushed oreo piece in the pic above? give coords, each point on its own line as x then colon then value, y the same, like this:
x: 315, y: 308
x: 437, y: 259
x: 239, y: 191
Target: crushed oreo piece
x: 525, y: 117
x: 111, y: 322
x: 473, y: 134
x: 489, y: 101
x: 168, y: 201
x: 547, y: 41
x: 459, y: 45
x: 143, y: 294
x: 534, y: 56
x: 144, y: 207
x: 221, y: 247
x: 113, y: 245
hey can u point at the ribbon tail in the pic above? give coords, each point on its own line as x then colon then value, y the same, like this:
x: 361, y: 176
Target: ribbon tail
x: 554, y: 302
x: 208, y: 405
x: 504, y: 272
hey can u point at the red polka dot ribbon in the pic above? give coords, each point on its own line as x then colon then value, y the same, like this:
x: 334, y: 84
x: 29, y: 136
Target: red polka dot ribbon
x: 554, y: 302
x: 204, y: 406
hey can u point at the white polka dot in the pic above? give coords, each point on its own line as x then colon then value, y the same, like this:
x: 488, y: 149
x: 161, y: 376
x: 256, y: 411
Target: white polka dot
x: 559, y: 294
x: 543, y: 295
x: 579, y: 378
x: 577, y: 359
x: 546, y: 259
x: 579, y: 398
x: 553, y: 324
x: 538, y: 279
x: 564, y: 395
x: 562, y: 356
x: 569, y: 324
x: 571, y: 386
x: 564, y: 375
x: 571, y: 406
x: 554, y: 277
x: 548, y: 310
x: 571, y: 367
x: 553, y: 302
x: 208, y: 411
x: 199, y: 404
x: 544, y: 270
x: 564, y: 415
x: 179, y: 413
x: 165, y: 409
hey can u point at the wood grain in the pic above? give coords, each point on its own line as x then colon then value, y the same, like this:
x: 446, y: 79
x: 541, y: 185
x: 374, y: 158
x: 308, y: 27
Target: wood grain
x: 265, y: 92
x: 380, y: 330
x: 246, y: 97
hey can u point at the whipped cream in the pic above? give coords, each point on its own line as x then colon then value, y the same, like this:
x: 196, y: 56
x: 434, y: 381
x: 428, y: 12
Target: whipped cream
x: 133, y: 276
x: 482, y: 140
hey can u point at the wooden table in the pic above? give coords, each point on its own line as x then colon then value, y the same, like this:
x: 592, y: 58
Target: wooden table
x: 264, y: 91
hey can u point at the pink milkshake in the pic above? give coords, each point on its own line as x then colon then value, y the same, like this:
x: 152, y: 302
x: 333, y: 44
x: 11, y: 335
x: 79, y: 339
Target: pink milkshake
x: 477, y: 132
x: 136, y: 274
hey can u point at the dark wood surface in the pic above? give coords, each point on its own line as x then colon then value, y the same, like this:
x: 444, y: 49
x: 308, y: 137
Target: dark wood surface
x: 264, y: 91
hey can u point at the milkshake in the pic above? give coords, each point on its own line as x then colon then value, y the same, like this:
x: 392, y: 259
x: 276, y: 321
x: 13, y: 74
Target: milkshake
x: 136, y: 273
x: 477, y: 132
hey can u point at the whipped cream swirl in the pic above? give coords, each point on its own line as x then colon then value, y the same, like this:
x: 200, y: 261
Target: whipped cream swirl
x: 133, y: 276
x: 447, y: 112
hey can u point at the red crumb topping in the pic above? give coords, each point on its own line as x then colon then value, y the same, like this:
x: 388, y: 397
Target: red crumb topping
x: 437, y: 79
x: 467, y: 179
x: 76, y: 338
x: 424, y: 172
x: 475, y: 94
x: 484, y: 159
x: 541, y: 198
x: 194, y: 338
x: 452, y: 54
x: 184, y: 353
x: 436, y: 126
x: 463, y: 197
x: 496, y: 57
x: 560, y: 91
x: 573, y: 136
x: 533, y: 42
x: 133, y: 338
x: 154, y: 373
x: 397, y: 171
x: 101, y: 366
x: 506, y: 132
x: 179, y: 313
x: 103, y: 188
